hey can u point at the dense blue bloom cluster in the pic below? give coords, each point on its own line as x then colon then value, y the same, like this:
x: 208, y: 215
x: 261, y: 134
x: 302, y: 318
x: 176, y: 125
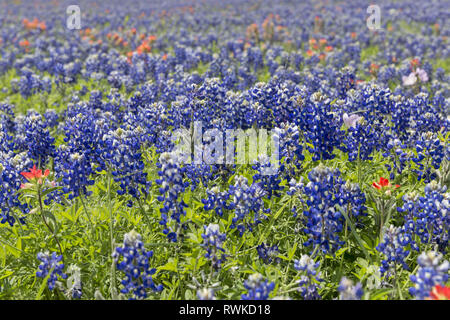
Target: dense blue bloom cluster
x: 308, y: 73
x: 346, y: 80
x: 35, y: 138
x: 394, y: 246
x: 310, y: 278
x: 353, y: 200
x: 326, y: 195
x: 244, y: 200
x: 348, y: 291
x: 430, y: 153
x: 432, y: 271
x: 135, y: 264
x: 268, y: 254
x: 213, y: 244
x: 247, y: 204
x: 428, y: 216
x: 171, y: 190
x: 75, y: 170
x: 321, y: 126
x: 398, y: 156
x: 122, y: 149
x: 360, y: 141
x: 81, y: 155
x: 267, y: 176
x: 258, y: 288
x: 50, y: 264
x: 150, y: 117
x: 7, y: 117
x: 216, y: 200
x: 51, y: 118
x: 11, y: 207
x: 290, y: 148
x: 31, y: 83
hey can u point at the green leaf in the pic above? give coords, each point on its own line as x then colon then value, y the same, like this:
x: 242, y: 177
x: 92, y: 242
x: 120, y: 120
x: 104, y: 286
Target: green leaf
x: 355, y: 234
x: 169, y: 266
x: 43, y: 285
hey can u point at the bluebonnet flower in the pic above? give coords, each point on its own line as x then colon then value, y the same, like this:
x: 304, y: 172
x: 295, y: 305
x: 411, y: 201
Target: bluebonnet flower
x: 84, y: 129
x: 36, y: 138
x: 151, y: 117
x: 310, y: 278
x: 51, y: 118
x: 352, y: 199
x: 247, y: 203
x: 430, y: 153
x: 326, y: 194
x: 267, y: 176
x: 30, y: 83
x: 258, y: 288
x: 398, y: 157
x: 10, y: 181
x: 6, y: 140
x: 432, y: 271
x: 268, y: 254
x: 7, y: 117
x: 395, y: 247
x: 135, y: 265
x: 321, y: 127
x: 213, y: 243
x: 75, y: 170
x: 122, y: 149
x: 360, y: 141
x: 171, y: 189
x: 295, y: 191
x: 346, y: 80
x: 50, y: 264
x: 216, y: 200
x: 427, y: 217
x: 197, y: 173
x: 290, y: 149
x: 348, y: 291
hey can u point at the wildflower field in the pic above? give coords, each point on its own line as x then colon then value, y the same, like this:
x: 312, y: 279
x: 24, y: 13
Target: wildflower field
x: 115, y: 182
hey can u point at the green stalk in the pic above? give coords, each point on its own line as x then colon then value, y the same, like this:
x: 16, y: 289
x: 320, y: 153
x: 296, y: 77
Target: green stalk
x: 41, y: 210
x: 111, y: 231
x: 85, y: 211
x: 357, y: 237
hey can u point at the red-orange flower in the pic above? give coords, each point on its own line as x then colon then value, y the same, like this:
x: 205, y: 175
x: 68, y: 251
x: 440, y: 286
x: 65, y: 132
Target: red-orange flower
x: 440, y: 293
x: 35, y: 174
x: 24, y: 43
x: 383, y: 183
x: 414, y: 63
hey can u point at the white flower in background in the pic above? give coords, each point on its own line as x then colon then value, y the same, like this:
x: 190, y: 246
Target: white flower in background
x: 423, y: 76
x: 74, y: 282
x: 409, y: 80
x: 352, y: 120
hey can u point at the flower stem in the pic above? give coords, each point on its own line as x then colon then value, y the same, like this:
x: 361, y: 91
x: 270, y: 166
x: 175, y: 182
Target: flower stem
x: 41, y: 210
x: 111, y: 231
